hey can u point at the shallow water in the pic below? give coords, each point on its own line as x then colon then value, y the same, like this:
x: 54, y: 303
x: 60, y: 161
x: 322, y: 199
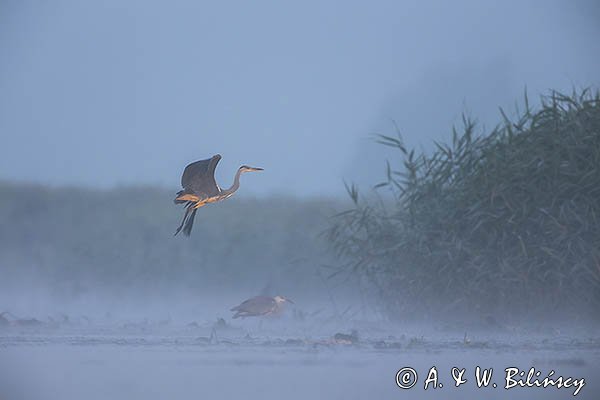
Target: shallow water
x: 282, y: 360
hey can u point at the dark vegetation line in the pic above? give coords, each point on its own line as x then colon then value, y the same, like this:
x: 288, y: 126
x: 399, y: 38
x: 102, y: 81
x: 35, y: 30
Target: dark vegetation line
x: 79, y: 241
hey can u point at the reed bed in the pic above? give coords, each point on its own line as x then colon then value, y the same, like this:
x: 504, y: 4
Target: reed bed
x: 500, y: 222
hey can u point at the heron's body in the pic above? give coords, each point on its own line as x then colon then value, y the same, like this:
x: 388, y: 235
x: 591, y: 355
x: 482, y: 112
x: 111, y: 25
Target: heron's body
x: 260, y: 305
x: 200, y: 188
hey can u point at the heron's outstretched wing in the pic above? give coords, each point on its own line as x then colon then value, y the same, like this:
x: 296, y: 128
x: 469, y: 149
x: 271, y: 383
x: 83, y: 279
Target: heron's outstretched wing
x: 199, y: 177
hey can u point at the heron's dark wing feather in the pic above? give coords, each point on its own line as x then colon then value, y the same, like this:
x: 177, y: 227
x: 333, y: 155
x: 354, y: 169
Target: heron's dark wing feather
x: 199, y: 177
x: 193, y: 169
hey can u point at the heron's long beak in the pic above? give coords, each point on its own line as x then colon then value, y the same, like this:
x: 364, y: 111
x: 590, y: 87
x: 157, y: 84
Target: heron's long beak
x: 255, y: 169
x: 289, y: 301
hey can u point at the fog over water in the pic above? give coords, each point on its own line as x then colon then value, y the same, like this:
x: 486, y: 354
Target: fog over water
x: 103, y: 104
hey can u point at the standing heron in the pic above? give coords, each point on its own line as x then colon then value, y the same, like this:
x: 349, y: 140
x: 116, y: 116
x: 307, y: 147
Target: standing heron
x: 200, y: 188
x: 260, y: 305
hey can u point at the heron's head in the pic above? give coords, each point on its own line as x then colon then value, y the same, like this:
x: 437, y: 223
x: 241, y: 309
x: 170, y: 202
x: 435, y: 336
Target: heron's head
x: 281, y: 300
x: 246, y: 168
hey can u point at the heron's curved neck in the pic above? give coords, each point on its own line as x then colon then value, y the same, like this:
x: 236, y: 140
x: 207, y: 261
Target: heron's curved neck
x: 236, y: 184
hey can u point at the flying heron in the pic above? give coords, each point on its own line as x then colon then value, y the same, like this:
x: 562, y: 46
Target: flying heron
x: 260, y: 305
x: 200, y: 188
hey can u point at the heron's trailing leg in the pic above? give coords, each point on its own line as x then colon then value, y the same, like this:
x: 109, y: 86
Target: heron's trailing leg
x: 190, y: 222
x: 188, y: 218
x: 188, y: 208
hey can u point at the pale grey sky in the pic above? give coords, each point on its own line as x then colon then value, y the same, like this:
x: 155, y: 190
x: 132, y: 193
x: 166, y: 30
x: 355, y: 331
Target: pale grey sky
x: 115, y: 92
